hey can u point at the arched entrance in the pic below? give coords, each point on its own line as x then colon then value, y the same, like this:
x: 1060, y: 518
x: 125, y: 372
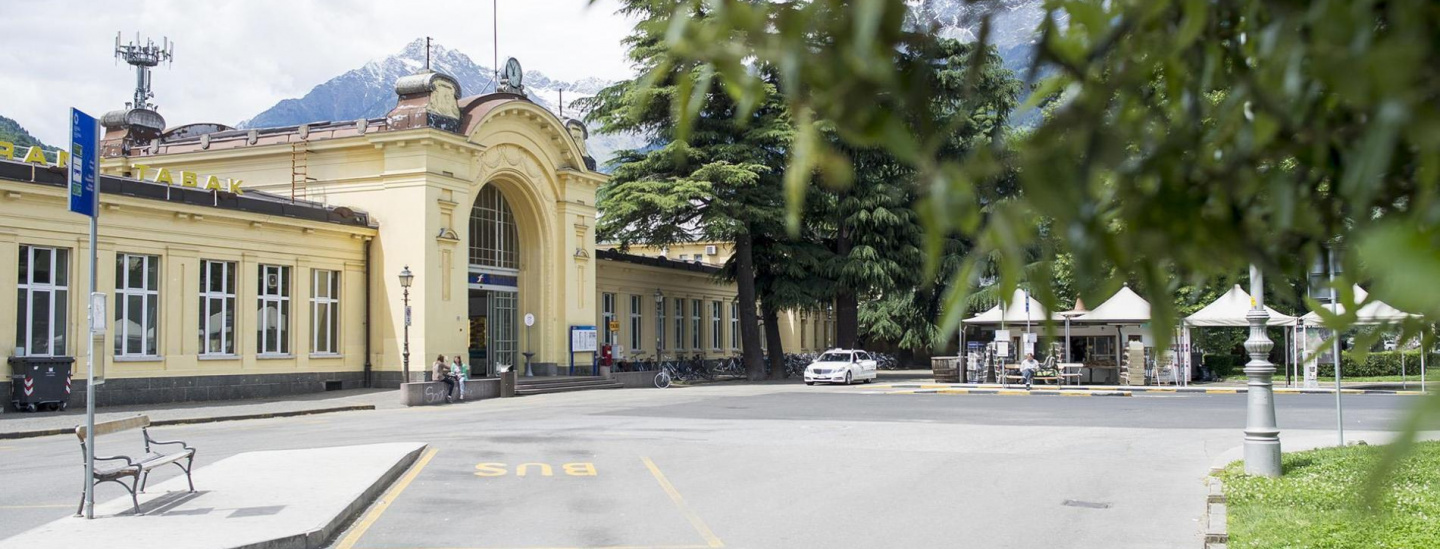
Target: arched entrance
x: 493, y: 280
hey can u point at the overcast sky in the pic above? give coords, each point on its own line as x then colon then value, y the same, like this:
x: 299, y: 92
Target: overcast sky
x: 234, y: 58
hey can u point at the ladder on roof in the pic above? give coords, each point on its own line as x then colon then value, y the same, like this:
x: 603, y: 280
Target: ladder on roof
x: 299, y: 169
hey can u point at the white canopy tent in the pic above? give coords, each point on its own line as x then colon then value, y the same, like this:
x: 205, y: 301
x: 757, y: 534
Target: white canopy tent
x: 1372, y: 313
x: 1125, y: 307
x: 1228, y: 311
x: 1022, y: 310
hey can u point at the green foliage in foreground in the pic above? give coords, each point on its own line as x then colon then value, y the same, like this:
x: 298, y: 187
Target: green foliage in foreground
x: 1318, y: 503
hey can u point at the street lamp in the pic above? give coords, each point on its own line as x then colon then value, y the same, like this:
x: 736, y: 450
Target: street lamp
x: 406, y: 278
x: 659, y: 324
x: 1262, y: 436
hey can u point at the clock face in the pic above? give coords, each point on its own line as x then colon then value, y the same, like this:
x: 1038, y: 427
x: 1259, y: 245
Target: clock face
x: 512, y: 72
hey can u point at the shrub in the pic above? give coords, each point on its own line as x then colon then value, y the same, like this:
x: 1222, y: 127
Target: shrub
x: 1386, y: 363
x: 1223, y: 365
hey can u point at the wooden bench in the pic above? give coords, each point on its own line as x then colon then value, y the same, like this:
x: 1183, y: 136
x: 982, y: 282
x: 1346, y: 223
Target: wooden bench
x: 136, y: 468
x: 1044, y: 374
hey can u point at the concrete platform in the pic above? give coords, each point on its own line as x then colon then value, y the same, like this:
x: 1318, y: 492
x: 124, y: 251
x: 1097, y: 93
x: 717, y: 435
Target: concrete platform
x: 274, y: 499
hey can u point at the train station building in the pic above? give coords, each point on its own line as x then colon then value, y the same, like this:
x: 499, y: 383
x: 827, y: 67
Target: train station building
x: 242, y: 263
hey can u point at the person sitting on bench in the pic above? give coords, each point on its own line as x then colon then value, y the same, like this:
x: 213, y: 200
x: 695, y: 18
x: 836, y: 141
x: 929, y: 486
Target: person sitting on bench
x: 1028, y: 367
x: 440, y: 371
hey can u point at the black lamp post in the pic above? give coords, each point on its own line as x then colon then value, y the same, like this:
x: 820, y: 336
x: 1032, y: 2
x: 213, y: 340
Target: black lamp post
x: 406, y: 278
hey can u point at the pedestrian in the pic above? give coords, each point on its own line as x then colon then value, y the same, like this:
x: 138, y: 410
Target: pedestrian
x: 461, y: 373
x: 1028, y: 368
x: 441, y: 372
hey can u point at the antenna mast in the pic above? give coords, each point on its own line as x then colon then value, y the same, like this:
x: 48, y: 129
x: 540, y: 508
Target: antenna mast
x: 495, y: 41
x: 427, y: 53
x: 143, y: 58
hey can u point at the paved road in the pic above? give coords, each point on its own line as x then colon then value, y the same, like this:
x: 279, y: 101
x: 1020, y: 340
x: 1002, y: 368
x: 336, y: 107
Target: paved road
x: 755, y: 466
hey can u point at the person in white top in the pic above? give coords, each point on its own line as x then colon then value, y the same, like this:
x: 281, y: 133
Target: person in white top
x: 1028, y: 367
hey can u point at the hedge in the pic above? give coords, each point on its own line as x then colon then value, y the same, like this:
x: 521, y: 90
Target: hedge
x: 1386, y: 363
x: 1224, y: 365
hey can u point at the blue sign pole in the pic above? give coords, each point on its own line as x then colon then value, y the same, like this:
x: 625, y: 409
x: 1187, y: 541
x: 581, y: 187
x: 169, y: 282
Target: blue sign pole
x: 85, y: 200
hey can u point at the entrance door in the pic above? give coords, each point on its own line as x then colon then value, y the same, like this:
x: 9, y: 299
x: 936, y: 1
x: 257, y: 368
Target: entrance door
x: 502, y: 312
x: 492, y: 330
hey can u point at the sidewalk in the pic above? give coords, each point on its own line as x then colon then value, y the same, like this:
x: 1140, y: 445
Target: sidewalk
x: 25, y: 425
x: 1201, y: 388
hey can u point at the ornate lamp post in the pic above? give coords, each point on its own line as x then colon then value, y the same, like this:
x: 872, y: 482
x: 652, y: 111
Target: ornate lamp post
x: 1262, y: 436
x: 406, y: 278
x: 659, y: 337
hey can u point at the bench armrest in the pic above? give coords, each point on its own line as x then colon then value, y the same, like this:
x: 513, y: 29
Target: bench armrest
x: 128, y: 461
x: 170, y: 442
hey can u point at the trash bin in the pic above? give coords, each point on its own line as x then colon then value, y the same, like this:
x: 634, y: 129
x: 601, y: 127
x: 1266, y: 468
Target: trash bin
x: 507, y: 381
x: 40, y: 382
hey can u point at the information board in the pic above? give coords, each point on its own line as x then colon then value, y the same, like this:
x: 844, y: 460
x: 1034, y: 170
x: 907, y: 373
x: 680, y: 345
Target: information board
x: 583, y: 339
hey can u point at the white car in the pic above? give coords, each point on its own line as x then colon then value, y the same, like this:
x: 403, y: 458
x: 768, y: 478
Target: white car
x: 841, y: 366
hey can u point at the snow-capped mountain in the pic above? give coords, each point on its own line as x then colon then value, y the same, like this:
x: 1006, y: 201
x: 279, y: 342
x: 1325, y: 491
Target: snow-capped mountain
x: 369, y: 92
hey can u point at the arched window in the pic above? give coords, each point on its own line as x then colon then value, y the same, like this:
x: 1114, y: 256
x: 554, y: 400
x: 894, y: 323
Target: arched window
x: 493, y: 239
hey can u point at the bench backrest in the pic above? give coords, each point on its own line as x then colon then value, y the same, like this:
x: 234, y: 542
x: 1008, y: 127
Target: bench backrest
x: 115, y: 426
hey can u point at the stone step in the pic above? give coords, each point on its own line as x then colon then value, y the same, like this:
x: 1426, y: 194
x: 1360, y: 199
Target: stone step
x: 566, y: 385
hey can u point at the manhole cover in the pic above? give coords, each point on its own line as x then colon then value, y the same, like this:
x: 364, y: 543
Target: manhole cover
x: 1085, y: 504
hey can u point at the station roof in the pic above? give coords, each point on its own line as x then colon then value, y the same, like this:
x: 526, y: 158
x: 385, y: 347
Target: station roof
x: 256, y: 202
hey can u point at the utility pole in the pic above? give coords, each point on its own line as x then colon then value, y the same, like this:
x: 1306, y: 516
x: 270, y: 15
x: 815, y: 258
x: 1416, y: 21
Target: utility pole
x: 1262, y: 436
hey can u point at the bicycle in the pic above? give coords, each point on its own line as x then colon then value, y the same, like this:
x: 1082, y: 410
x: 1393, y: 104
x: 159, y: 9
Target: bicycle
x: 667, y: 372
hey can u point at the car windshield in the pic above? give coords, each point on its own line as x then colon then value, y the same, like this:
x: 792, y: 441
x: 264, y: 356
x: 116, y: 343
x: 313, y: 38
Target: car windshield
x: 834, y: 357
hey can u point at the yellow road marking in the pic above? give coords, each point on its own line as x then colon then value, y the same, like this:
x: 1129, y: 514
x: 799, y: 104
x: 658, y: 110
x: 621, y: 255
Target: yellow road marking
x: 1219, y: 391
x: 700, y: 527
x: 384, y: 502
x: 1011, y: 392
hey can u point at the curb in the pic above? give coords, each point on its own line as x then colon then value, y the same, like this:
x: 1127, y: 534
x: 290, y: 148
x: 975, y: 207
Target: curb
x: 1146, y: 389
x: 1012, y: 392
x: 325, y: 534
x: 1217, y: 531
x: 194, y: 420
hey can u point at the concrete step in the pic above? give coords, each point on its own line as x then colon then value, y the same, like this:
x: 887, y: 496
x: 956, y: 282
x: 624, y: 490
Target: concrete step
x: 540, y: 387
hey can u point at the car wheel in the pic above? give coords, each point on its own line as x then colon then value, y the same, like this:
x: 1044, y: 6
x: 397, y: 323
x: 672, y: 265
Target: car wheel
x: 847, y: 378
x: 809, y: 382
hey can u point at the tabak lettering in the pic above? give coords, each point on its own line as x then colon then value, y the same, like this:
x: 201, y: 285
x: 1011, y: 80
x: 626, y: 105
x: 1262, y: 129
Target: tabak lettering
x: 164, y: 176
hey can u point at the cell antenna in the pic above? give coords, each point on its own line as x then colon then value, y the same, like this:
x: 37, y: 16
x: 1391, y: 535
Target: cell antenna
x: 144, y: 56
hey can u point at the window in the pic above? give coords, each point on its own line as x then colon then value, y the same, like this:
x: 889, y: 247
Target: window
x: 679, y: 324
x: 695, y: 330
x: 273, y: 322
x: 734, y: 325
x: 803, y: 321
x: 217, y: 307
x: 494, y: 240
x: 659, y: 326
x: 635, y: 323
x: 137, y: 304
x: 43, y: 301
x: 819, y: 333
x: 607, y: 306
x: 324, y: 312
x: 715, y: 325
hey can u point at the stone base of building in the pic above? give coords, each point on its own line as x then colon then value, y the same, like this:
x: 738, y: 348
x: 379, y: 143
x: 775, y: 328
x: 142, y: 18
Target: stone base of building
x: 160, y: 390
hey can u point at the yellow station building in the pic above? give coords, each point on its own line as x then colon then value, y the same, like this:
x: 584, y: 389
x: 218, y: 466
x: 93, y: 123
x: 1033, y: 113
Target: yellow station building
x: 247, y: 263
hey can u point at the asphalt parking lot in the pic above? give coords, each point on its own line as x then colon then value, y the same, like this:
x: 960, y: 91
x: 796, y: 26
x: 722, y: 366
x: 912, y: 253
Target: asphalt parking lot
x: 767, y: 465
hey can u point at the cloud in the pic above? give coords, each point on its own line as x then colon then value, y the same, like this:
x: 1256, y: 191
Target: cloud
x: 234, y: 59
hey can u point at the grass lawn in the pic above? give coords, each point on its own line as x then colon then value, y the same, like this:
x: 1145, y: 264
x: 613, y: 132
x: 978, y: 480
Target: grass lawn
x: 1430, y: 378
x: 1316, y: 503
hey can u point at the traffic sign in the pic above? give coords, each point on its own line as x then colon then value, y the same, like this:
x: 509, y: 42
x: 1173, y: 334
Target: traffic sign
x: 84, y: 162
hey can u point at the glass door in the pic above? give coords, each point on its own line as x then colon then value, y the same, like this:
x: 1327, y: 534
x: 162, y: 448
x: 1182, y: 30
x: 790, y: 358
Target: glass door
x: 502, y: 312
